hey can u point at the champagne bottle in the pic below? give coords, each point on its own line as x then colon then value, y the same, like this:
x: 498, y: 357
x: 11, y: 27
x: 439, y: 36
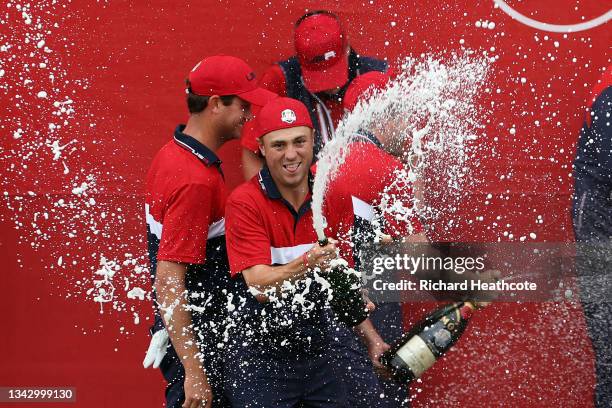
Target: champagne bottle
x: 347, y: 300
x: 419, y: 348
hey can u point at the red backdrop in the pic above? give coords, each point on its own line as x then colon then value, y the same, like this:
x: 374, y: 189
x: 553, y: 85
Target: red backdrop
x: 117, y: 70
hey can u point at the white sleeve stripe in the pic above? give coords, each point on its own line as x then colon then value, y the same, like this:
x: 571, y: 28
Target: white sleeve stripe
x: 154, y: 226
x: 284, y: 255
x: 362, y: 209
x: 216, y: 229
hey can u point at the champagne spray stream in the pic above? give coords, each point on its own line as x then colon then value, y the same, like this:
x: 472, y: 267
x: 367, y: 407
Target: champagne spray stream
x: 429, y: 106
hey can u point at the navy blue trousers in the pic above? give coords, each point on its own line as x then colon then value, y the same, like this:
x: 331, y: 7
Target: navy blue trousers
x: 367, y: 390
x: 174, y: 373
x: 260, y: 378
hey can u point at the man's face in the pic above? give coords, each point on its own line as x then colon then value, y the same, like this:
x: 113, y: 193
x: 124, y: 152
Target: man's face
x: 233, y: 118
x: 288, y: 154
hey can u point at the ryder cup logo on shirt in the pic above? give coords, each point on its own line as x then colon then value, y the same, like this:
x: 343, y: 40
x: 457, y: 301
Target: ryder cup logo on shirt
x: 288, y: 116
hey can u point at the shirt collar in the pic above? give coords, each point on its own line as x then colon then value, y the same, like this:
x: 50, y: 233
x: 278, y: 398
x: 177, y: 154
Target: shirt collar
x: 266, y: 182
x: 366, y: 136
x: 203, y: 153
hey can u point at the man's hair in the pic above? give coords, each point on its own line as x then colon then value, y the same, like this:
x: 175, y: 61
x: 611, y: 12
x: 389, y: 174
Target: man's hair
x: 197, y: 103
x: 314, y: 13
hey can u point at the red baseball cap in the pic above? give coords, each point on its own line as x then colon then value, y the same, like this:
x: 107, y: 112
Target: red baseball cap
x: 281, y: 113
x: 322, y: 50
x: 226, y: 75
x: 248, y: 136
x: 362, y: 86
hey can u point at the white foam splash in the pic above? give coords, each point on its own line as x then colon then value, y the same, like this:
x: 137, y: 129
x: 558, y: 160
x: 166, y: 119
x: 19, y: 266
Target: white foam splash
x: 103, y: 290
x: 428, y: 108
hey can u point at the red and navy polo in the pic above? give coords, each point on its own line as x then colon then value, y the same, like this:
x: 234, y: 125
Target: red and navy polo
x: 185, y: 204
x: 263, y: 228
x: 356, y: 190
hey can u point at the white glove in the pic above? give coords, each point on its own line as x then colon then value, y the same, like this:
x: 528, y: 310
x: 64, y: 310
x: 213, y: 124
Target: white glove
x: 157, y: 349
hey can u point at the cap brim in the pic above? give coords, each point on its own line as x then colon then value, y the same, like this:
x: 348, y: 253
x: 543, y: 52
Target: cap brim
x: 258, y: 96
x: 332, y: 77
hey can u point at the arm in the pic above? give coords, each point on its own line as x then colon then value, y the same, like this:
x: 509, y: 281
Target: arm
x: 170, y: 289
x: 183, y: 242
x: 592, y: 169
x: 267, y: 277
x: 420, y: 238
x: 375, y: 344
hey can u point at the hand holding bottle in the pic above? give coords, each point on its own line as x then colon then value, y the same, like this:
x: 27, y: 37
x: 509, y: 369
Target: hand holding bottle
x: 320, y: 256
x: 375, y: 351
x: 345, y: 283
x: 376, y: 346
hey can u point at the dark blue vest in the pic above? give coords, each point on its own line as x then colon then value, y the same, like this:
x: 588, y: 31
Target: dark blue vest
x: 592, y: 204
x: 296, y: 89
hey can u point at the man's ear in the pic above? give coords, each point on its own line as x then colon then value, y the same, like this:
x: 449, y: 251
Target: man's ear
x: 215, y: 103
x: 262, y: 149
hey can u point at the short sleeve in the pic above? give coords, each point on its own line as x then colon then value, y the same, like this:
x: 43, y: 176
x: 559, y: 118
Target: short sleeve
x: 274, y: 80
x: 248, y: 243
x: 340, y: 217
x: 185, y: 228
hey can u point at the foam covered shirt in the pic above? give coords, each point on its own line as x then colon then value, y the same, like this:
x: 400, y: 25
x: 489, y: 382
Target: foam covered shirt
x: 354, y: 193
x: 264, y: 229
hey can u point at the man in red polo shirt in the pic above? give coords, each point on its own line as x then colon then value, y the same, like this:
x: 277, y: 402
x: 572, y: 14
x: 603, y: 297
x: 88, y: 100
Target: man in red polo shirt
x: 318, y: 75
x: 284, y: 350
x: 354, y: 195
x: 373, y: 168
x: 185, y: 205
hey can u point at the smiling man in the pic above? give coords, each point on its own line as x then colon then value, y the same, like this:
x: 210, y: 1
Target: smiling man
x: 185, y: 204
x: 285, y: 352
x: 280, y: 356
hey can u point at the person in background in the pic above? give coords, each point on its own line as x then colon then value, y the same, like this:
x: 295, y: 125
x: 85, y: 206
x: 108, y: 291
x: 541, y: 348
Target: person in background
x: 592, y: 218
x: 318, y: 76
x: 184, y: 209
